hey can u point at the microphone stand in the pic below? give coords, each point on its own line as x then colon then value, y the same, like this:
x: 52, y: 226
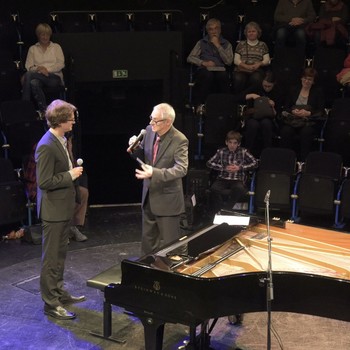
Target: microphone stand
x: 268, y: 281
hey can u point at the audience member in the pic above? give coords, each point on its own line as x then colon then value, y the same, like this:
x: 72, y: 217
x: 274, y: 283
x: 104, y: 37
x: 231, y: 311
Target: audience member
x: 56, y: 199
x: 263, y: 105
x: 211, y: 55
x: 330, y: 29
x: 44, y: 64
x: 291, y: 17
x: 251, y: 56
x: 232, y: 164
x: 163, y: 156
x: 81, y: 206
x: 343, y: 77
x: 303, y: 114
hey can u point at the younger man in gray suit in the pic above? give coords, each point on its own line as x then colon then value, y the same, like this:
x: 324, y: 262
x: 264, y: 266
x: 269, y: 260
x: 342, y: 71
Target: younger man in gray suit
x: 55, y: 205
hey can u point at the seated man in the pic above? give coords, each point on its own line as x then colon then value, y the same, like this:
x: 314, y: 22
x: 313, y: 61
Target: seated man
x: 44, y: 64
x: 291, y: 17
x: 211, y: 54
x: 232, y: 162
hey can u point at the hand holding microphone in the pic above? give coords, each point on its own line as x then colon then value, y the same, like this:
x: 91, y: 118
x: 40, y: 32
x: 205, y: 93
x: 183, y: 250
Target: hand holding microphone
x: 78, y: 171
x: 134, y: 141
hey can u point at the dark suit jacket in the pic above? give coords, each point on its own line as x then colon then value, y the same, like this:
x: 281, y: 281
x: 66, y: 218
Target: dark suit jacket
x: 56, y: 190
x: 165, y: 188
x: 315, y: 99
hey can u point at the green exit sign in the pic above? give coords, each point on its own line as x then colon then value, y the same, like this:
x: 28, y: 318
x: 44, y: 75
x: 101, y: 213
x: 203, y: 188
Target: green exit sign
x: 120, y: 73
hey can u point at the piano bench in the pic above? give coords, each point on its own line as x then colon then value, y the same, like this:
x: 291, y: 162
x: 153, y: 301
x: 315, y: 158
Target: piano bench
x: 100, y: 281
x: 103, y: 279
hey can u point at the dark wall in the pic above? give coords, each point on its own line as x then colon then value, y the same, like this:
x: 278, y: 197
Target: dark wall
x: 112, y: 110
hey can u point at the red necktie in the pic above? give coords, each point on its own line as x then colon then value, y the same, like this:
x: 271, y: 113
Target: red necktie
x: 155, y: 149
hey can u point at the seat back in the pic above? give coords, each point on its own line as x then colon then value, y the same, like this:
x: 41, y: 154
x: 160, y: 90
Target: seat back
x: 345, y: 200
x: 17, y: 111
x: 328, y: 61
x: 7, y: 173
x: 275, y: 174
x: 319, y: 183
x: 221, y: 115
x: 287, y: 64
x: 337, y: 130
x: 13, y: 199
x: 10, y: 87
x: 327, y: 164
x: 341, y: 109
x: 278, y: 159
x: 21, y: 128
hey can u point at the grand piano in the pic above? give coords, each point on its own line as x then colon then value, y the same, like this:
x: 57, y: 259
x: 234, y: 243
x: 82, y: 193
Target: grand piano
x: 224, y: 272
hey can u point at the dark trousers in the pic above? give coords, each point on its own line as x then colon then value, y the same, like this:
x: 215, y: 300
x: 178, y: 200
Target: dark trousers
x: 224, y: 194
x: 54, y: 251
x: 299, y: 139
x: 33, y: 85
x: 286, y: 32
x: 158, y: 231
x: 255, y: 128
x: 243, y: 80
x: 208, y: 82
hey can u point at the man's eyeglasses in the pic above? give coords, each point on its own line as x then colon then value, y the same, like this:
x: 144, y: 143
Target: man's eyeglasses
x: 71, y: 120
x: 152, y: 121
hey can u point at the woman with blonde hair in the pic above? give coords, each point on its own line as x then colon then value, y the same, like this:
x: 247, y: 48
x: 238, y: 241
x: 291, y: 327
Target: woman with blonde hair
x: 44, y: 64
x: 251, y: 56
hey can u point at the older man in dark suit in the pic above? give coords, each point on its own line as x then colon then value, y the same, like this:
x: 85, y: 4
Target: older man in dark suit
x: 55, y: 205
x: 164, y: 151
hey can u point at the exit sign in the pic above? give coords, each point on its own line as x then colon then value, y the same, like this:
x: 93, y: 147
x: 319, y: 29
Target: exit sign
x: 120, y: 73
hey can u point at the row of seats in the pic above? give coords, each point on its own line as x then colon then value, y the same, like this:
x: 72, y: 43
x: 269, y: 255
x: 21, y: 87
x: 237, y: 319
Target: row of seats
x: 18, y: 31
x: 221, y: 113
x: 318, y: 189
x: 320, y: 186
x: 14, y: 205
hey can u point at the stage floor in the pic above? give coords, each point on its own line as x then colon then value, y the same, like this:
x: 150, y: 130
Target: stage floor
x: 114, y: 234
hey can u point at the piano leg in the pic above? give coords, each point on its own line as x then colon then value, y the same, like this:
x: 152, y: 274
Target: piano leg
x: 202, y: 340
x: 107, y: 325
x: 154, y: 332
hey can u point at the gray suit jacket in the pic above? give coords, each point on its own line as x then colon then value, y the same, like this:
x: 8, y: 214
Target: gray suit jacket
x: 165, y: 188
x: 56, y: 190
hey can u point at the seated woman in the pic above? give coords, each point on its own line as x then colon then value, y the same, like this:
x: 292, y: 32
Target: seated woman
x: 44, y: 64
x: 330, y: 29
x: 261, y: 113
x: 304, y: 108
x: 250, y: 57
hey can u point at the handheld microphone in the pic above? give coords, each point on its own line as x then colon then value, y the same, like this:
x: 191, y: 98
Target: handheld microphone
x: 137, y: 140
x: 80, y: 162
x: 267, y: 196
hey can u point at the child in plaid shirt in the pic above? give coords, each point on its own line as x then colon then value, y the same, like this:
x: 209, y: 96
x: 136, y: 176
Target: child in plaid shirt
x: 232, y: 164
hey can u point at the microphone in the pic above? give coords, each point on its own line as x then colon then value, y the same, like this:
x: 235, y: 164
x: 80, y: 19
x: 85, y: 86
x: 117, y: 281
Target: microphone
x: 137, y: 140
x: 80, y: 162
x: 267, y: 196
